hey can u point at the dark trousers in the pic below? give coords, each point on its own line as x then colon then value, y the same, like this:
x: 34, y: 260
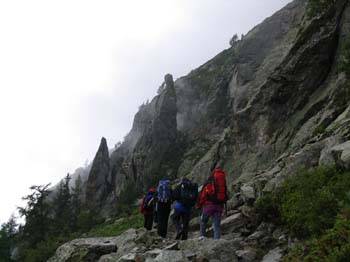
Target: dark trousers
x: 181, y: 221
x: 148, y: 221
x: 163, y: 212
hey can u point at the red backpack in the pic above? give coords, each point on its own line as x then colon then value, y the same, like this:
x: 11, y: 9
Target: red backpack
x: 220, y: 186
x: 215, y: 189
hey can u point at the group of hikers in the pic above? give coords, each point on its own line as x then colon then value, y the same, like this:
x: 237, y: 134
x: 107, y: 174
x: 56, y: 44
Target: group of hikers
x: 157, y: 204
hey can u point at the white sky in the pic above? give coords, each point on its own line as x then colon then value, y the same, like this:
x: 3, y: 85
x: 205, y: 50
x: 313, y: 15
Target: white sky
x: 72, y: 71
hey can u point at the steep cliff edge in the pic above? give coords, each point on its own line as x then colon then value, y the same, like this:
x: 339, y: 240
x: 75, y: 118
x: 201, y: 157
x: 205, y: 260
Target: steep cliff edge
x: 262, y: 100
x: 276, y: 102
x: 172, y: 135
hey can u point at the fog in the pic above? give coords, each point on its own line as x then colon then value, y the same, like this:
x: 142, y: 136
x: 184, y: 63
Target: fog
x: 74, y: 71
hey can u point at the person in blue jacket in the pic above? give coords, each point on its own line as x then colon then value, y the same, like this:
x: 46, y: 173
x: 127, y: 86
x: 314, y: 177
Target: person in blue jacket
x: 185, y: 196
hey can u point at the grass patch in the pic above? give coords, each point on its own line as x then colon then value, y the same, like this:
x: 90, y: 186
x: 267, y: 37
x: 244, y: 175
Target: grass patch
x: 115, y: 228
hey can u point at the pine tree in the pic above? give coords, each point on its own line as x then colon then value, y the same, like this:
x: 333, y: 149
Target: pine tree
x: 62, y: 207
x: 76, y: 202
x: 7, y: 236
x: 37, y: 216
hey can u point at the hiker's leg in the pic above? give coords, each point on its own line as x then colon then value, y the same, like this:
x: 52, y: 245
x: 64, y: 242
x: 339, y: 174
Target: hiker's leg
x: 203, y: 224
x: 160, y: 227
x: 176, y: 220
x: 145, y: 221
x: 216, y: 225
x: 149, y: 221
x: 166, y: 219
x: 185, y: 222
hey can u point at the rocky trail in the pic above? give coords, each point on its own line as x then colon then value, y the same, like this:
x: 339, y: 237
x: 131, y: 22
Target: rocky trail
x: 241, y: 241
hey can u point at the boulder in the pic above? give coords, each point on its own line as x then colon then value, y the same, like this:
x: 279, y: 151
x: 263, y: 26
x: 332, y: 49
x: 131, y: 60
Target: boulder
x: 248, y: 254
x: 247, y: 192
x: 274, y: 255
x: 222, y: 250
x: 171, y: 256
x: 232, y: 223
x: 194, y: 223
x: 85, y: 249
x: 341, y: 154
x: 128, y: 258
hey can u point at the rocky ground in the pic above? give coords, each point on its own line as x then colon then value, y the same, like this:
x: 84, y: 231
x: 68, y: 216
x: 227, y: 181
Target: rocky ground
x: 242, y: 240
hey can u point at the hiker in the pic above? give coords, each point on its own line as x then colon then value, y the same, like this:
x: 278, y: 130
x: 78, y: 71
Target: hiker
x: 147, y: 208
x: 163, y: 206
x: 185, y: 196
x: 212, y: 199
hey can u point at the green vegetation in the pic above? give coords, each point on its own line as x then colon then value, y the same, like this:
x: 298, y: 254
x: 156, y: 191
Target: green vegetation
x: 115, y: 228
x: 319, y: 130
x: 333, y: 245
x: 315, y: 7
x: 7, y: 238
x: 50, y: 223
x: 315, y: 207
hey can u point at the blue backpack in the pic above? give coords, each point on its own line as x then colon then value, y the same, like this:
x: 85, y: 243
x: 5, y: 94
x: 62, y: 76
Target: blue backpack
x: 148, y: 202
x: 164, y: 191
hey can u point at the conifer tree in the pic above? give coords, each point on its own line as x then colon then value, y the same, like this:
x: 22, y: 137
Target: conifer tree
x: 76, y: 202
x: 37, y: 215
x: 62, y: 207
x: 7, y: 236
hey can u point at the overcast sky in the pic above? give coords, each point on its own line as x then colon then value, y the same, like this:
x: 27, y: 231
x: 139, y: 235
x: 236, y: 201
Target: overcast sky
x: 72, y: 71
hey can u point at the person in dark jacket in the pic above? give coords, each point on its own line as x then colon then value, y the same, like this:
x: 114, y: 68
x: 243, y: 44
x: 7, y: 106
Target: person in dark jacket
x: 163, y: 206
x: 181, y: 219
x: 147, y: 208
x: 185, y: 194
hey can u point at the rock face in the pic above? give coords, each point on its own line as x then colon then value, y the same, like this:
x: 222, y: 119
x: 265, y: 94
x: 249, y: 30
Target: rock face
x: 98, y: 185
x: 271, y: 104
x: 267, y: 106
x: 275, y: 102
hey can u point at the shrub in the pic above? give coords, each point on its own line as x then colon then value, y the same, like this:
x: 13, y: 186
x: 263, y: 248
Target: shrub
x: 315, y: 207
x: 334, y: 245
x: 268, y: 208
x: 308, y: 203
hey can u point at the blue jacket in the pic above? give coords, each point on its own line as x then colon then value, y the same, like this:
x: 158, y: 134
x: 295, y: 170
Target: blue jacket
x: 180, y: 208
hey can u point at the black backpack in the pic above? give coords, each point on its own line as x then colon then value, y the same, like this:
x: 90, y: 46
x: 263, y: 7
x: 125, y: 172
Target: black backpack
x: 187, y: 193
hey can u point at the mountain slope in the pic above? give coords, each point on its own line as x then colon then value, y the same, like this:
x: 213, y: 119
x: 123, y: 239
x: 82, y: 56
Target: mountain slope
x: 276, y: 102
x: 263, y: 98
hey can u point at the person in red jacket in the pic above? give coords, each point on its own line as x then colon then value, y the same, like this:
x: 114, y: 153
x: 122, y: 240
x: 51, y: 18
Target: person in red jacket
x: 212, y: 199
x: 147, y: 208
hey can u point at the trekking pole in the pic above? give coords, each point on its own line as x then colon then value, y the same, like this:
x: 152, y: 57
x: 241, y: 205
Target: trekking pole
x: 225, y: 209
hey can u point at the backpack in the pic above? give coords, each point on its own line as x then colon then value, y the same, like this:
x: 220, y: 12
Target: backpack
x: 221, y: 194
x: 164, y: 191
x: 215, y: 189
x: 148, y: 201
x: 188, y: 193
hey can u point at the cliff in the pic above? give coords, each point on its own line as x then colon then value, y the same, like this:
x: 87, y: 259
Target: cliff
x: 276, y: 102
x: 257, y: 106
